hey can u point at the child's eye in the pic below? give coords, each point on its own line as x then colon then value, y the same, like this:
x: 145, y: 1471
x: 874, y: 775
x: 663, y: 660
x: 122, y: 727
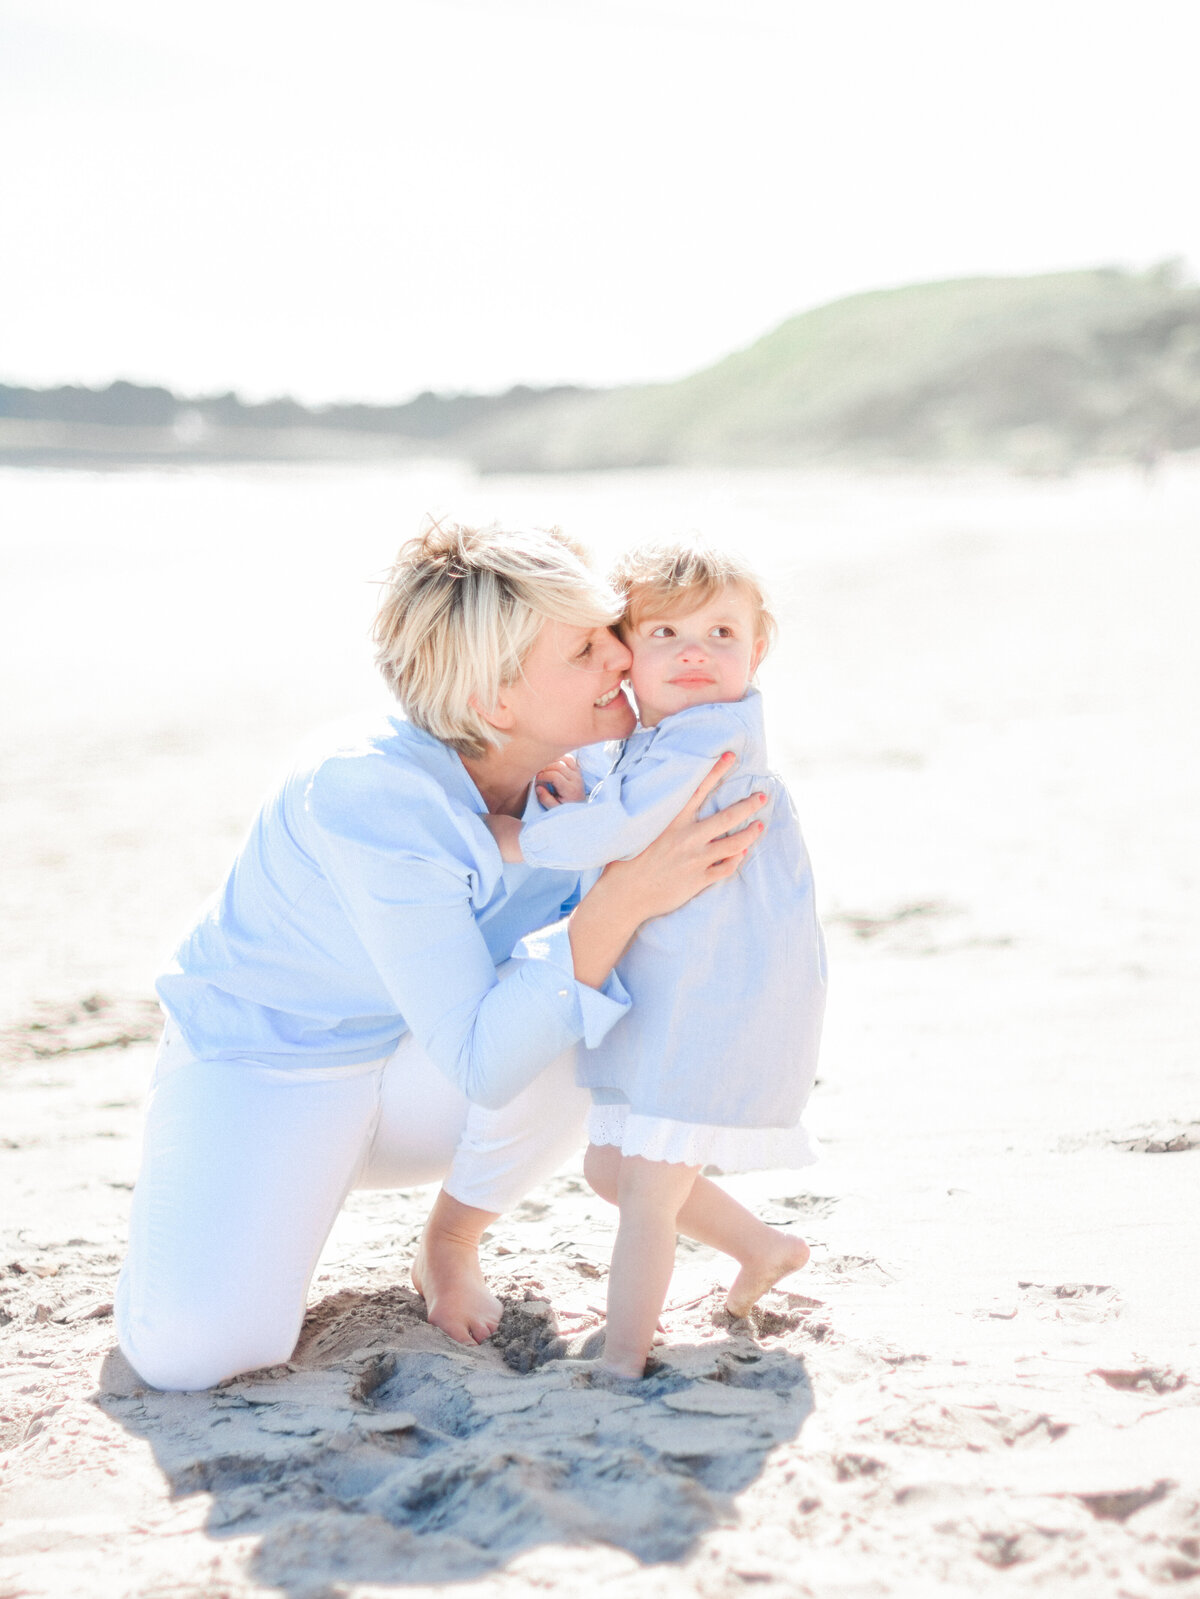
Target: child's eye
x: 662, y: 632
x: 723, y: 632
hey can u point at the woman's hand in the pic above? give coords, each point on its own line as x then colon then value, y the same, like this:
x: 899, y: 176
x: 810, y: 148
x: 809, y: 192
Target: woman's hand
x: 692, y: 853
x: 689, y: 855
x: 560, y: 783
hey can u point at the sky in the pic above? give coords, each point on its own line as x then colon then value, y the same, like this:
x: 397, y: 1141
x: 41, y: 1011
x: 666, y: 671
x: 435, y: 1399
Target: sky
x: 366, y: 200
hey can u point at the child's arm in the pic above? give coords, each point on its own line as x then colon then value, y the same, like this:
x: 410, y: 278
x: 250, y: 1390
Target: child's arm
x: 629, y: 809
x: 561, y: 783
x: 506, y: 830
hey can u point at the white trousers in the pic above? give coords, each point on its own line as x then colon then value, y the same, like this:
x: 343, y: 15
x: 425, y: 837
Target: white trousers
x: 244, y: 1170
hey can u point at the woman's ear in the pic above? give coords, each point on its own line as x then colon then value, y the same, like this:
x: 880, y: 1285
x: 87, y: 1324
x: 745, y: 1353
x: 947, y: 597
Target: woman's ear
x: 499, y: 716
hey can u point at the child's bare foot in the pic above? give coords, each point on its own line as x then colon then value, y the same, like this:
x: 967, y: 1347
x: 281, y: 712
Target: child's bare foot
x: 623, y: 1363
x: 619, y: 1381
x: 622, y: 1370
x: 783, y: 1256
x: 449, y: 1280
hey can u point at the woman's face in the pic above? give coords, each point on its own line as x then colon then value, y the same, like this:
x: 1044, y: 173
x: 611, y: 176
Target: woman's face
x: 569, y: 693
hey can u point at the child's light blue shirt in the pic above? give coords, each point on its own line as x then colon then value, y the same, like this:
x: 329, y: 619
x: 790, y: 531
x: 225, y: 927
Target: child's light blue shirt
x: 729, y: 990
x: 369, y: 900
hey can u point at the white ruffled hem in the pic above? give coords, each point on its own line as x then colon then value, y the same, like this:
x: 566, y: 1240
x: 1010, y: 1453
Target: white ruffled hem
x: 723, y: 1149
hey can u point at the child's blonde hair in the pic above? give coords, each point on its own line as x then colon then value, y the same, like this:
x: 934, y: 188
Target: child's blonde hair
x: 461, y: 609
x: 668, y: 578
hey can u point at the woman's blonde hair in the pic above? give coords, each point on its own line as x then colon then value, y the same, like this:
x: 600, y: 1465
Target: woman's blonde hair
x: 461, y: 609
x: 673, y: 577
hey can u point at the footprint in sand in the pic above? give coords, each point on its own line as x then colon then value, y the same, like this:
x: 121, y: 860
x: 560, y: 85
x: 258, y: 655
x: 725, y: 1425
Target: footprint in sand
x: 1144, y: 1379
x: 94, y: 1022
x: 851, y: 1269
x: 385, y: 1449
x: 816, y: 1206
x: 1072, y: 1301
x: 1161, y: 1138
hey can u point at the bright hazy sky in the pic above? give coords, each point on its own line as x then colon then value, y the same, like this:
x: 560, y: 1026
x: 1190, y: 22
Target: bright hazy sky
x: 366, y: 199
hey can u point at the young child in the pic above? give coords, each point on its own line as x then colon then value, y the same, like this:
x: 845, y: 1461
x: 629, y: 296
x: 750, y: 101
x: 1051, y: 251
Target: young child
x: 714, y: 1063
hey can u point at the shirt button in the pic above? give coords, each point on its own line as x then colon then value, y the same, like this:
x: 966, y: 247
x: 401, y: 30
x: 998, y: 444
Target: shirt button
x: 562, y: 993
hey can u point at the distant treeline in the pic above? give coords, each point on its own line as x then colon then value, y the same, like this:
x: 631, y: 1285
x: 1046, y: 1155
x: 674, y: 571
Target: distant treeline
x: 1036, y: 374
x: 134, y: 405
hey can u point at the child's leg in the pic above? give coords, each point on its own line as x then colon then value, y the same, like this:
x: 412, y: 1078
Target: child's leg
x: 650, y: 1194
x: 713, y: 1217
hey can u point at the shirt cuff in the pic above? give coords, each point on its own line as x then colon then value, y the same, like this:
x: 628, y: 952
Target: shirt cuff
x: 534, y: 851
x: 592, y: 1010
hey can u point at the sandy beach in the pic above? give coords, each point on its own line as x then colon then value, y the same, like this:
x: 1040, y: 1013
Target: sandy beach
x: 987, y: 1379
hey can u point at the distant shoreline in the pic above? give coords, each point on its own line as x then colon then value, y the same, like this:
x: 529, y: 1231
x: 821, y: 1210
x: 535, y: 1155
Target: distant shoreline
x: 88, y: 446
x: 1037, y: 376
x: 96, y: 448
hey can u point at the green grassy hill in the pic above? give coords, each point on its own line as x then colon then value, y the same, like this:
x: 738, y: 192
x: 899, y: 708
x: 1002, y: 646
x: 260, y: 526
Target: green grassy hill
x: 1037, y: 373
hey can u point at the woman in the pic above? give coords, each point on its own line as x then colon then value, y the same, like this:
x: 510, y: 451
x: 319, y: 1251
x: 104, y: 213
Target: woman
x: 374, y: 999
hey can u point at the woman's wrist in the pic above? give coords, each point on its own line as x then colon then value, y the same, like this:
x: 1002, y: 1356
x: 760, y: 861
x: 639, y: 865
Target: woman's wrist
x: 601, y: 927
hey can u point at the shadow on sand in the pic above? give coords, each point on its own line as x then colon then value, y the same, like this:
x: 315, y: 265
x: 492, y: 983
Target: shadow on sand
x: 383, y: 1452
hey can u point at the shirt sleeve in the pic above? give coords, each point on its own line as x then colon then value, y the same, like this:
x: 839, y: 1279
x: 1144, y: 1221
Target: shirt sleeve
x: 596, y: 761
x: 630, y: 807
x: 401, y: 865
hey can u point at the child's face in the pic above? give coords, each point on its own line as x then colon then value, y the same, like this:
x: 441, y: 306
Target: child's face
x: 702, y: 657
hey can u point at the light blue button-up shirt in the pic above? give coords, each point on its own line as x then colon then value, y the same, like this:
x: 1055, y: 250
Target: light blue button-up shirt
x: 369, y: 900
x: 729, y: 990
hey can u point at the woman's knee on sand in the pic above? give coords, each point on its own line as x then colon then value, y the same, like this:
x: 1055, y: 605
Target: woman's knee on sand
x: 180, y: 1347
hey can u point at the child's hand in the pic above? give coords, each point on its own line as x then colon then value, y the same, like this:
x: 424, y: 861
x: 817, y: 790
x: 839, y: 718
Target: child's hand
x: 506, y: 830
x: 560, y: 783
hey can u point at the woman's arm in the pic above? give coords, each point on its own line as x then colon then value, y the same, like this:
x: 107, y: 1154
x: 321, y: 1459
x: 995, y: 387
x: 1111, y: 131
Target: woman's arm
x: 688, y: 856
x: 394, y: 858
x: 631, y: 892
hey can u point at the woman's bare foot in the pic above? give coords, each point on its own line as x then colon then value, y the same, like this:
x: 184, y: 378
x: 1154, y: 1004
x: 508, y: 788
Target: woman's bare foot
x: 447, y: 1275
x: 782, y: 1257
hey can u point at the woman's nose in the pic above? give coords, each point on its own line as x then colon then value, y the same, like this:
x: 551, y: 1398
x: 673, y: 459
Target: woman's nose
x: 618, y: 657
